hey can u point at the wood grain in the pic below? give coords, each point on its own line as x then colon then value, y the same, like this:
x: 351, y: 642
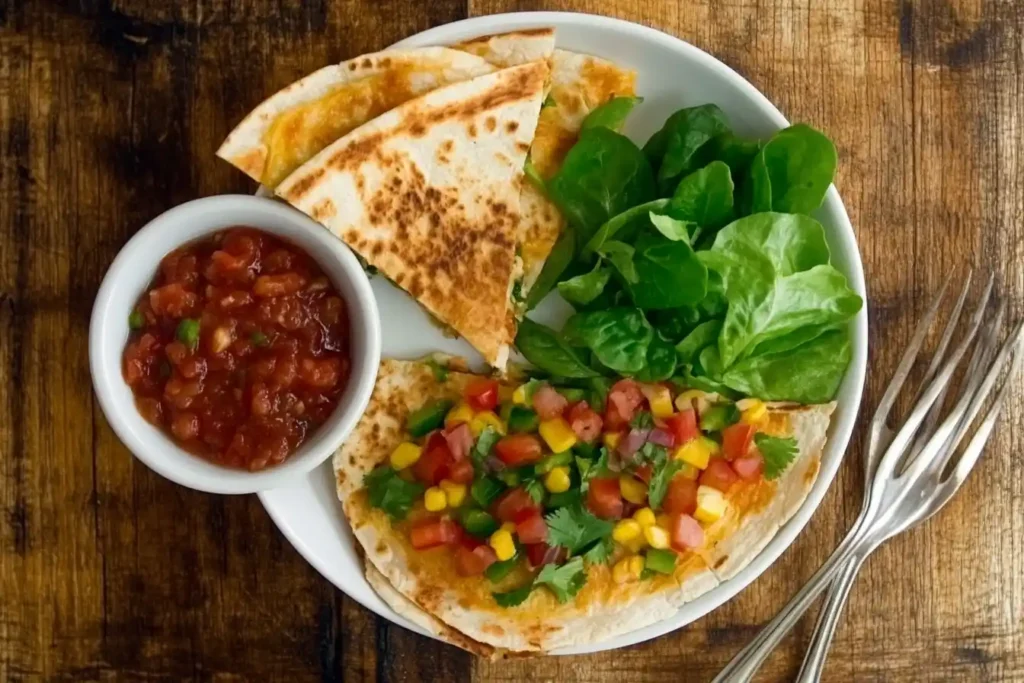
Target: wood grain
x: 109, y: 114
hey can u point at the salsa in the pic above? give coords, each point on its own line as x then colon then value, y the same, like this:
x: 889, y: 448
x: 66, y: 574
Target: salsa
x: 542, y: 480
x: 239, y: 349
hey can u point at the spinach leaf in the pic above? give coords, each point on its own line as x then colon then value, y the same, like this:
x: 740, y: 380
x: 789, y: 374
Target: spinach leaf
x: 705, y: 197
x: 558, y: 260
x: 621, y: 255
x: 672, y: 228
x: 545, y: 349
x: 669, y: 274
x: 702, y: 336
x: 734, y: 151
x: 672, y: 149
x: 603, y: 175
x: 675, y: 323
x: 661, y: 361
x: 583, y: 289
x: 619, y: 337
x: 628, y: 222
x: 688, y: 380
x: 791, y: 242
x: 533, y: 175
x: 792, y: 171
x: 612, y: 114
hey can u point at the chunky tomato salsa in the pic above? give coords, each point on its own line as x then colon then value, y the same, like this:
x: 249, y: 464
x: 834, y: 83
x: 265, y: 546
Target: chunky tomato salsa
x: 239, y: 349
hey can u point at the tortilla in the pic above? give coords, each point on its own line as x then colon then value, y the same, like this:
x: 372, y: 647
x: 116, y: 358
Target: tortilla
x: 602, y: 609
x: 428, y: 193
x: 579, y: 83
x: 513, y: 48
x: 294, y: 124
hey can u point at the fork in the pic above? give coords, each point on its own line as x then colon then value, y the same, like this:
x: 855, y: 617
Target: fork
x: 907, y: 479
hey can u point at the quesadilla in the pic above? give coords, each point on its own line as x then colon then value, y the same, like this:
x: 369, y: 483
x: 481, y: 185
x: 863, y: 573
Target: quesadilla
x: 428, y: 193
x: 522, y: 519
x: 511, y: 49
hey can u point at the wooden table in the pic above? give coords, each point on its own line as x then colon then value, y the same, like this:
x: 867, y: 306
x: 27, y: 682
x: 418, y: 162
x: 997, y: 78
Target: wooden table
x: 110, y: 113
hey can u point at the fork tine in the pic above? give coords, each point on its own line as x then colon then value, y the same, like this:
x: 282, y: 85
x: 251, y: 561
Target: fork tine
x: 903, y: 369
x: 897, y: 447
x: 940, y: 351
x: 964, y: 413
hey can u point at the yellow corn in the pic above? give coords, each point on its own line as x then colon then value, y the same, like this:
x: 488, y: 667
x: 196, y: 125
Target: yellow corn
x: 508, y: 526
x: 611, y: 439
x: 688, y: 471
x: 405, y: 455
x: 660, y: 399
x: 645, y: 517
x: 504, y: 547
x: 636, y: 545
x: 656, y: 537
x: 454, y: 493
x: 711, y: 505
x: 632, y: 489
x: 628, y: 569
x: 557, y: 480
x: 519, y: 395
x: 558, y: 435
x: 684, y: 401
x: 434, y: 499
x: 664, y: 521
x: 694, y: 452
x: 485, y: 419
x: 460, y: 413
x: 756, y: 413
x: 504, y: 393
x: 626, y: 530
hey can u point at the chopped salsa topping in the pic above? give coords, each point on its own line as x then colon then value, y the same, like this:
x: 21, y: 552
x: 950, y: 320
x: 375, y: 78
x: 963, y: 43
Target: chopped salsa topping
x: 527, y: 486
x: 240, y: 349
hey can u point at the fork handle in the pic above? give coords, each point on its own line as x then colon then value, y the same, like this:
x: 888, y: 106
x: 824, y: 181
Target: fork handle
x: 828, y: 620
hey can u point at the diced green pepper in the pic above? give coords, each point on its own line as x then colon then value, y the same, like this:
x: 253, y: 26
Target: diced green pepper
x: 188, y: 332
x: 572, y: 394
x: 428, y: 418
x: 565, y: 499
x: 510, y: 477
x: 478, y: 523
x: 661, y: 561
x: 522, y: 420
x: 553, y: 460
x: 486, y: 490
x: 499, y: 570
x: 136, y: 320
x: 719, y: 416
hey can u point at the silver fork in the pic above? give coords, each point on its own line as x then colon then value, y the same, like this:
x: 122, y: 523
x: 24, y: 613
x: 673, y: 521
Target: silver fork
x: 906, y: 482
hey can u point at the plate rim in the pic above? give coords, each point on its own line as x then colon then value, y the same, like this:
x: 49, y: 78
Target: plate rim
x: 842, y: 426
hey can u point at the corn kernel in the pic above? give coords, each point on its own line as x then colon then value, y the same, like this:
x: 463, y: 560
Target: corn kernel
x: 519, y: 395
x: 434, y: 499
x: 611, y: 439
x: 636, y: 565
x: 632, y: 489
x: 660, y: 399
x: 645, y: 517
x: 626, y: 530
x: 504, y: 547
x: 485, y: 419
x: 636, y: 545
x: 711, y: 505
x: 508, y: 526
x: 558, y: 435
x: 755, y: 413
x: 405, y: 455
x: 684, y: 401
x: 694, y: 452
x: 627, y: 569
x: 460, y: 413
x: 664, y: 521
x: 656, y: 537
x: 557, y: 480
x: 454, y: 493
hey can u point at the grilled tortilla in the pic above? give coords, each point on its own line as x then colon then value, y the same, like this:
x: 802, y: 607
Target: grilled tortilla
x: 602, y: 609
x: 428, y: 193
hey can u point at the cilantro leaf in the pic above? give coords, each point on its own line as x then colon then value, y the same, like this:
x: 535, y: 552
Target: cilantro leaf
x: 592, y: 469
x: 390, y: 492
x: 514, y: 597
x: 565, y: 581
x: 642, y: 420
x: 484, y: 443
x: 600, y: 552
x: 574, y: 528
x: 535, y: 488
x: 485, y: 490
x: 440, y: 371
x: 778, y: 453
x: 664, y: 469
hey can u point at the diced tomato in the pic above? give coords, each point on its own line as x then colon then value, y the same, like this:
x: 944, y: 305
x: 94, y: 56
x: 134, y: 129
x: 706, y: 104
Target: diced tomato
x: 434, y: 532
x: 736, y: 440
x: 434, y: 464
x: 719, y: 474
x: 643, y: 473
x: 548, y: 403
x: 685, y: 532
x: 604, y: 498
x: 585, y: 422
x: 461, y: 471
x: 482, y: 394
x: 473, y: 562
x: 535, y: 553
x: 750, y: 466
x: 683, y: 426
x: 624, y: 399
x: 518, y: 449
x: 515, y: 505
x: 460, y: 440
x: 532, y: 529
x: 681, y: 497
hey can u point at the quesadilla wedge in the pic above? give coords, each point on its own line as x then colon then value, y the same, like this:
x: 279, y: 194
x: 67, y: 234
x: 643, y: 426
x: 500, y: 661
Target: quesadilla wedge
x: 513, y: 48
x: 428, y: 193
x: 527, y: 521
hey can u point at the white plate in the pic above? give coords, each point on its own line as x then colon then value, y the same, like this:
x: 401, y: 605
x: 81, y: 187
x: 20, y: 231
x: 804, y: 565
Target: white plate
x: 671, y: 74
